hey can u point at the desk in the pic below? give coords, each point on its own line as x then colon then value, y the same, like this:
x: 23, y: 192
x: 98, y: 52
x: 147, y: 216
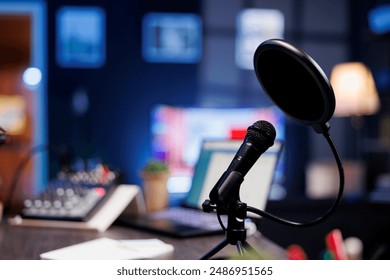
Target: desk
x: 368, y: 221
x: 27, y: 243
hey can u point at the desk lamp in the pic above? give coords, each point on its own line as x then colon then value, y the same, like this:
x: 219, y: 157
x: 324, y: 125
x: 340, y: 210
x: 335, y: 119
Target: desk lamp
x: 299, y: 87
x: 354, y: 89
x: 356, y: 97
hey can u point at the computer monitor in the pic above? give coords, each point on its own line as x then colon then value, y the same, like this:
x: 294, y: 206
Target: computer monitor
x: 178, y: 133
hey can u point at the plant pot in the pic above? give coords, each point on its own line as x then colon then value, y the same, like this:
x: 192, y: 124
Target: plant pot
x: 155, y: 190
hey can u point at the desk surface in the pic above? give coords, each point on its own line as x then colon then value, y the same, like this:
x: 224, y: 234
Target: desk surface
x: 27, y: 243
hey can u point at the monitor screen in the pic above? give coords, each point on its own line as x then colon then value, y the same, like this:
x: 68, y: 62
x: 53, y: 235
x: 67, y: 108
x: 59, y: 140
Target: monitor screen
x: 178, y: 133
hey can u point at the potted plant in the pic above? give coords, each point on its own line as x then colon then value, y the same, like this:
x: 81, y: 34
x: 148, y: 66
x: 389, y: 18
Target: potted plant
x: 155, y: 176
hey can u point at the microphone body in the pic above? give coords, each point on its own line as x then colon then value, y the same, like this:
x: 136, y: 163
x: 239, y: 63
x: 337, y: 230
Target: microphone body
x: 260, y: 136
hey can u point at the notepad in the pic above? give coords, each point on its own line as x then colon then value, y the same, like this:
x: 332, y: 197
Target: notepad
x: 110, y: 249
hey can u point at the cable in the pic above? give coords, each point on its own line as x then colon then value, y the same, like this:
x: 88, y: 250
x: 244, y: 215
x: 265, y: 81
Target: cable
x: 20, y: 167
x: 220, y: 221
x: 327, y: 214
x: 65, y: 165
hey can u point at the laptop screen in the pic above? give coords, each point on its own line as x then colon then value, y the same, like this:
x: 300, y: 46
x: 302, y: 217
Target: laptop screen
x: 214, y: 159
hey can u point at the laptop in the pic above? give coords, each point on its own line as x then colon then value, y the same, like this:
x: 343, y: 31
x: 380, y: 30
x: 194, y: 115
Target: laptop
x: 188, y: 219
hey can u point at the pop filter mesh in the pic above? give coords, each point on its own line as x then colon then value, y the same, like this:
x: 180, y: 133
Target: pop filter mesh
x: 290, y: 85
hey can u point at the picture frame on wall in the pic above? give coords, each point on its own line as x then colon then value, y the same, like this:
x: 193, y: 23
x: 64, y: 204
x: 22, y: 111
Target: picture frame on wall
x: 80, y: 37
x: 171, y: 38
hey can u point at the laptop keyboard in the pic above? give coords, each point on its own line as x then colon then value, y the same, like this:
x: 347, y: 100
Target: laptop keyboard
x: 190, y: 217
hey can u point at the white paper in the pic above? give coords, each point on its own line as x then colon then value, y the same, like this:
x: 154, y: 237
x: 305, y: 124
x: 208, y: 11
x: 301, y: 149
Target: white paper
x: 109, y: 249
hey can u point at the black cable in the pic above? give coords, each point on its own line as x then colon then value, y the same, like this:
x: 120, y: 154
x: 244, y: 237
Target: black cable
x: 327, y: 214
x: 20, y: 167
x: 64, y: 161
x: 220, y: 221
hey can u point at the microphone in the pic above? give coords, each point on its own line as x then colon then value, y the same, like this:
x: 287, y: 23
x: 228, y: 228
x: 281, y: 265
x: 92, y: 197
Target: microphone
x: 259, y: 137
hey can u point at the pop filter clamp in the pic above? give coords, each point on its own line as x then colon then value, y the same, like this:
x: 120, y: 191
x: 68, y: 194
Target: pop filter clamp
x: 299, y: 87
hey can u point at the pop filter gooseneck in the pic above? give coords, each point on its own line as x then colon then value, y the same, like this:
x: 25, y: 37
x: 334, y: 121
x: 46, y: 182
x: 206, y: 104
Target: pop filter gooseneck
x: 299, y: 87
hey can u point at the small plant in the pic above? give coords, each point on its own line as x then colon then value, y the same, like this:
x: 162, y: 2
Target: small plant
x: 155, y: 176
x: 155, y: 166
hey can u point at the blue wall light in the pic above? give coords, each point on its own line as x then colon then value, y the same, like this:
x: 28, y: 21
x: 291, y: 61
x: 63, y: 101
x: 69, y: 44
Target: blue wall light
x: 379, y: 19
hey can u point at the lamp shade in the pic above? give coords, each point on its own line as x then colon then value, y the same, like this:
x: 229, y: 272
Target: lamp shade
x: 355, y: 91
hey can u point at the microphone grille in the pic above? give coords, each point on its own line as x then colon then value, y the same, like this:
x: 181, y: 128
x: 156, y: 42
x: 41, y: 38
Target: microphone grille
x: 262, y: 134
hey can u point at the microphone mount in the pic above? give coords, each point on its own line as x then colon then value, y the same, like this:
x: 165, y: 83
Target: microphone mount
x: 229, y: 203
x: 226, y: 193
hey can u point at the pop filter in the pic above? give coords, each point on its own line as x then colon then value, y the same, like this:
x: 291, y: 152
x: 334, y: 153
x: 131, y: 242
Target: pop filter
x: 299, y: 87
x: 295, y: 83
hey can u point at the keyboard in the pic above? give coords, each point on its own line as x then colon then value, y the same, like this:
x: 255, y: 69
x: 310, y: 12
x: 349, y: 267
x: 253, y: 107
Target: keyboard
x: 190, y: 217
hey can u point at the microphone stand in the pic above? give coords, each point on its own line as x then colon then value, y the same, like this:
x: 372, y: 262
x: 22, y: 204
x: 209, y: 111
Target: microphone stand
x: 229, y: 203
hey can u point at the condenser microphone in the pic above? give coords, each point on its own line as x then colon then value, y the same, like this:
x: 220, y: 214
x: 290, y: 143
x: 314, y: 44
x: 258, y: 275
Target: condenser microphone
x: 259, y: 137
